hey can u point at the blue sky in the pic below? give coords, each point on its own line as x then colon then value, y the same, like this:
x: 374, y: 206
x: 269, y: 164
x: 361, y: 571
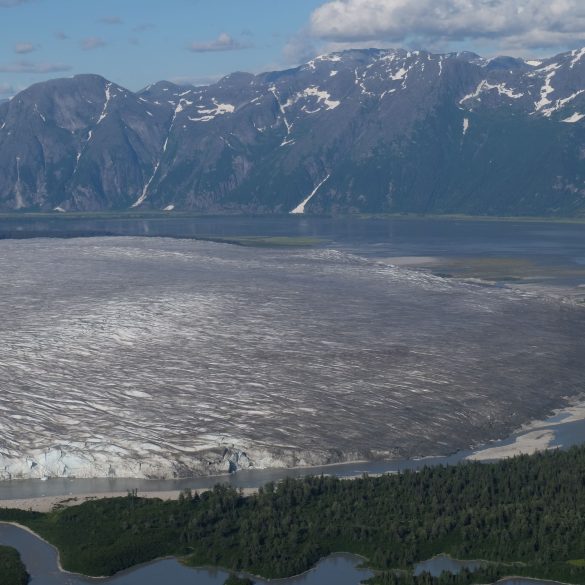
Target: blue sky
x: 136, y: 42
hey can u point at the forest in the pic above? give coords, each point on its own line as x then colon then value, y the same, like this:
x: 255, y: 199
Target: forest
x: 525, y: 515
x: 12, y: 571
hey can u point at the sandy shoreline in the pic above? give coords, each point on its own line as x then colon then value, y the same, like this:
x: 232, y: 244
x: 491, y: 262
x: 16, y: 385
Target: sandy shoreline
x: 527, y: 444
x: 47, y: 503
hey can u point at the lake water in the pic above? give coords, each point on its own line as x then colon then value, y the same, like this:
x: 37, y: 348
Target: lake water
x: 41, y: 561
x: 557, y: 247
x: 441, y: 563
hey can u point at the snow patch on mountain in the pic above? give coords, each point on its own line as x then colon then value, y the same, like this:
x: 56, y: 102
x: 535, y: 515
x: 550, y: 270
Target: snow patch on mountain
x: 322, y: 96
x: 577, y: 55
x: 300, y: 208
x: 272, y: 89
x: 561, y: 103
x: 331, y: 57
x: 400, y: 74
x: 576, y: 117
x: 106, y: 103
x: 547, y: 88
x: 40, y: 114
x: 485, y: 86
x: 210, y: 113
x: 181, y: 105
x: 178, y: 109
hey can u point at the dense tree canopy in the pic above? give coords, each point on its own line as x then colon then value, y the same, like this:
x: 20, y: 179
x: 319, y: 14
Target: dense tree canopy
x: 12, y: 571
x: 528, y: 510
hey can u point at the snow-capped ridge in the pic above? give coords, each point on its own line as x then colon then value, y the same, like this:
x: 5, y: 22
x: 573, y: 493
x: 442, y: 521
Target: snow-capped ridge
x: 187, y: 146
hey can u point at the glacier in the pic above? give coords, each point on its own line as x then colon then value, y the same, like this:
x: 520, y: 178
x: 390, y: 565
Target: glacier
x: 163, y: 358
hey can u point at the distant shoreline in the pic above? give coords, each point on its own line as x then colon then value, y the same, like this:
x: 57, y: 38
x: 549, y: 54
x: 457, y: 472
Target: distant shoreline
x: 46, y: 504
x: 159, y: 214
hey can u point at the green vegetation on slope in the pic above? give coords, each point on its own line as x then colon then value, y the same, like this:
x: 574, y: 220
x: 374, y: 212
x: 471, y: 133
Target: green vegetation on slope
x: 12, y: 571
x: 528, y: 510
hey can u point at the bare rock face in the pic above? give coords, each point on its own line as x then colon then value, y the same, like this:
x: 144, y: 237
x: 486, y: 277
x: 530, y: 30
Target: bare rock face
x: 81, y: 143
x: 361, y: 130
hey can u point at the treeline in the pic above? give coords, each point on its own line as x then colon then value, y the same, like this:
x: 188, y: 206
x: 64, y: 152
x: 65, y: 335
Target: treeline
x: 489, y: 574
x: 528, y: 510
x: 12, y: 571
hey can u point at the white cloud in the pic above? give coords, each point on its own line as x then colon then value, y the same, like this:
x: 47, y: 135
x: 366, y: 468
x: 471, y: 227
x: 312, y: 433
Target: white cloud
x: 92, y: 43
x: 506, y: 23
x: 299, y: 49
x: 7, y: 91
x: 23, y: 48
x: 224, y: 42
x: 30, y: 67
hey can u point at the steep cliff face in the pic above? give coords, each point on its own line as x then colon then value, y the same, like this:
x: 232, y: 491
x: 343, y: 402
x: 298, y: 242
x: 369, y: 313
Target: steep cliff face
x: 81, y: 143
x: 361, y: 130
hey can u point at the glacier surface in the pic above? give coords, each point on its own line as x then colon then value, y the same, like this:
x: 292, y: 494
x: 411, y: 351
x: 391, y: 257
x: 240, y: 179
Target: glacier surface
x: 138, y: 357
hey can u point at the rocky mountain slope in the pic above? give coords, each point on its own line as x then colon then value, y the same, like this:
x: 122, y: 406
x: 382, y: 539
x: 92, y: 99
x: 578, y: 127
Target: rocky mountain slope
x: 361, y: 130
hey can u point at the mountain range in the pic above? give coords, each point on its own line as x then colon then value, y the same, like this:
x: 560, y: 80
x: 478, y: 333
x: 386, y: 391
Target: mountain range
x: 371, y: 131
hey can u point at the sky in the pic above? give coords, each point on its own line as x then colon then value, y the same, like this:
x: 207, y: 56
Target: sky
x: 137, y: 42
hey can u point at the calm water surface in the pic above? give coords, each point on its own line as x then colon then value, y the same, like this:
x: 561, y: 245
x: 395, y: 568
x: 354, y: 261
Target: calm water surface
x: 548, y: 244
x: 441, y: 563
x: 41, y: 561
